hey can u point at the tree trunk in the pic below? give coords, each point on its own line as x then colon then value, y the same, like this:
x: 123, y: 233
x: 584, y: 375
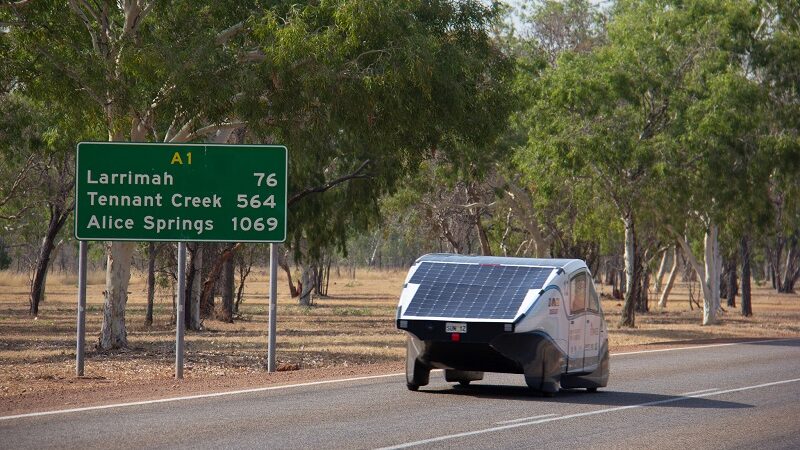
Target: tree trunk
x: 187, y: 288
x: 662, y: 301
x: 699, y: 271
x: 194, y: 309
x: 628, y: 318
x: 244, y: 271
x: 731, y: 281
x: 662, y: 269
x: 788, y: 277
x: 151, y: 282
x: 43, y: 263
x: 225, y: 313
x: 747, y: 310
x: 711, y: 294
x: 307, y: 282
x: 113, y: 333
x: 642, y: 302
x: 283, y: 263
x: 210, y: 284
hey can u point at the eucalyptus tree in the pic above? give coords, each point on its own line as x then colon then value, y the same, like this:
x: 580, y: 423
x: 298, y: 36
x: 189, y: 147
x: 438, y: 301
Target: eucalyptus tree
x: 358, y: 90
x: 596, y: 123
x: 37, y: 151
x: 733, y: 147
x: 774, y: 63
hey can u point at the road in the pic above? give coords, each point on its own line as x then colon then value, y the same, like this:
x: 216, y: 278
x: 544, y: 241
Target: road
x: 722, y: 396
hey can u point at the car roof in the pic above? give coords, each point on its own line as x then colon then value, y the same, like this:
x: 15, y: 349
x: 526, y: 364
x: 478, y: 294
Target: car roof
x: 568, y: 265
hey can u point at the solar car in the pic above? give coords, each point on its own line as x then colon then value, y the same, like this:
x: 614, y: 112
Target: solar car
x: 474, y: 314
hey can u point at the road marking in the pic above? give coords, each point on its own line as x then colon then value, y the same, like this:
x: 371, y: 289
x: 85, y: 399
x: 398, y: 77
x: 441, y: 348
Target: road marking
x: 583, y: 414
x: 193, y: 397
x: 694, y: 347
x: 525, y: 419
x: 699, y: 392
x: 317, y: 383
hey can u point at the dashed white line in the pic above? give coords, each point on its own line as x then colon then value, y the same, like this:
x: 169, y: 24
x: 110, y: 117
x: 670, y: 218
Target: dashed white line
x: 525, y: 419
x: 699, y: 392
x: 583, y: 414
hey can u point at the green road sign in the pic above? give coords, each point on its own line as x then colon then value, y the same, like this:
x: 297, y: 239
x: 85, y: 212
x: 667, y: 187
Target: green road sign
x: 180, y: 192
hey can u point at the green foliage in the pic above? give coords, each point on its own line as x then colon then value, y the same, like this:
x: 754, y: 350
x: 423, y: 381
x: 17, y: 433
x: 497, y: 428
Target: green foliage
x: 389, y: 82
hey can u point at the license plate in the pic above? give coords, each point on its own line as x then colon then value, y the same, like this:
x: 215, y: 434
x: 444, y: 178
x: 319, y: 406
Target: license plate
x: 452, y: 327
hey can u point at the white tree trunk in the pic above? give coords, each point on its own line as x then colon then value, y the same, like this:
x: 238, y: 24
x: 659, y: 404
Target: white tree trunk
x: 701, y: 273
x: 711, y: 279
x: 662, y: 269
x: 662, y: 301
x: 113, y: 333
x: 628, y: 318
x: 307, y: 281
x: 629, y: 258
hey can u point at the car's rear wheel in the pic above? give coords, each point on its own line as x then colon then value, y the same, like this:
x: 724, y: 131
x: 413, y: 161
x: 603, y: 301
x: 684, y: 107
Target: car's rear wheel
x: 412, y: 387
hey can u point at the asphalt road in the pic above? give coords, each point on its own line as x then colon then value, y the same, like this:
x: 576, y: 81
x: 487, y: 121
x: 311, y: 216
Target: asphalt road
x: 731, y: 396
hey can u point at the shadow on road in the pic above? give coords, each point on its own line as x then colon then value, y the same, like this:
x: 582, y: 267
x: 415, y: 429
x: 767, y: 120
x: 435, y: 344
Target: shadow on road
x: 581, y: 397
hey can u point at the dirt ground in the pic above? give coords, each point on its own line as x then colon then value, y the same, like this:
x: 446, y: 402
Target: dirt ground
x: 349, y: 333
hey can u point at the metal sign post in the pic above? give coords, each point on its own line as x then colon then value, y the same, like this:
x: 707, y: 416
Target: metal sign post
x: 273, y: 305
x: 81, y: 308
x: 180, y: 319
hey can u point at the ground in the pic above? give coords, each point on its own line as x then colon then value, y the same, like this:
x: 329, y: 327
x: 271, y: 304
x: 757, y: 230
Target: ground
x: 349, y: 333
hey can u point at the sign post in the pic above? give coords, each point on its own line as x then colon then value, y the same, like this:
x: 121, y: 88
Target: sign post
x: 183, y: 193
x: 273, y: 306
x: 180, y: 314
x: 81, y: 345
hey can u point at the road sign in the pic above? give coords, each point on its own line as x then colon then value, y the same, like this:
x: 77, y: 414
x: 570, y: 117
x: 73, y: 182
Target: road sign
x: 180, y: 192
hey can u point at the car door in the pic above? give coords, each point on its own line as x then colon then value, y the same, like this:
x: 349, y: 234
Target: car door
x: 577, y: 322
x: 591, y: 348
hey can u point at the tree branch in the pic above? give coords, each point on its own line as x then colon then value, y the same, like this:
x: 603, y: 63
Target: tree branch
x: 186, y: 137
x: 356, y: 174
x: 252, y: 56
x: 18, y: 4
x: 15, y: 216
x: 225, y: 35
x: 18, y: 180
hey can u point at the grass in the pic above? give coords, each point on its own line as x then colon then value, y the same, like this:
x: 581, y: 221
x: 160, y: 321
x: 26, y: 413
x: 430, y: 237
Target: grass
x: 354, y: 325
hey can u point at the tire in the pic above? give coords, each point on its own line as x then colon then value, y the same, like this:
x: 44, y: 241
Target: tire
x: 464, y: 382
x: 412, y: 387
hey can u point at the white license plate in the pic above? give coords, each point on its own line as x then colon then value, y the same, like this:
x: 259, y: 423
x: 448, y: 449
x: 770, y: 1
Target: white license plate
x: 452, y: 327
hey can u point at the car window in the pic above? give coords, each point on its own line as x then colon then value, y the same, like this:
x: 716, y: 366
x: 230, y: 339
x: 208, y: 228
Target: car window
x: 578, y: 293
x: 593, y: 300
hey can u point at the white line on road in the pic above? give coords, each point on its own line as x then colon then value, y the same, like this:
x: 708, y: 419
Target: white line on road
x: 316, y: 383
x: 697, y: 347
x: 525, y: 419
x: 699, y: 392
x: 192, y: 397
x: 589, y: 413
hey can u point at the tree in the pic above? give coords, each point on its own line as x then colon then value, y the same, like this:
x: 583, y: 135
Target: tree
x: 596, y: 122
x: 362, y: 102
x: 36, y: 142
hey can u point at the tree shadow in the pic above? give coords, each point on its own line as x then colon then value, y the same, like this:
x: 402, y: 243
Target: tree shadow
x: 581, y: 397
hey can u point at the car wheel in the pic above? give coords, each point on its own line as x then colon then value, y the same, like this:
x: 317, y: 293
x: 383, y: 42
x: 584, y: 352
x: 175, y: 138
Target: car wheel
x: 412, y: 387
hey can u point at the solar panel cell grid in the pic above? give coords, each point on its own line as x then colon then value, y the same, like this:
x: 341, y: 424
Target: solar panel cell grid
x: 472, y: 291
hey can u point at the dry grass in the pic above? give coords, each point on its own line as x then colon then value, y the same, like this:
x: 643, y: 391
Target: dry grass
x: 353, y: 326
x: 10, y: 278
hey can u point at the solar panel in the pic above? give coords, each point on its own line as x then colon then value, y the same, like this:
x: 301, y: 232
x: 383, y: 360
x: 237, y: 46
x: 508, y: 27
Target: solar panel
x: 472, y: 291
